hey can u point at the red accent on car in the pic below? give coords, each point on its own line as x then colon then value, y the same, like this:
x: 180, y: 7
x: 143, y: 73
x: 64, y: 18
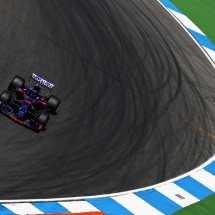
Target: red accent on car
x: 40, y: 127
x: 22, y: 92
x: 17, y: 120
x: 41, y: 103
x: 28, y: 102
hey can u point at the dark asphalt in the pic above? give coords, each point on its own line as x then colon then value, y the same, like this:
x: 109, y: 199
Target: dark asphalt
x: 118, y: 66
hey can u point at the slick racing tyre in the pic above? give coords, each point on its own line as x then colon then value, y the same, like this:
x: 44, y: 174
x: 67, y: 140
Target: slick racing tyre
x: 5, y: 96
x: 16, y: 82
x: 53, y: 103
x: 43, y: 118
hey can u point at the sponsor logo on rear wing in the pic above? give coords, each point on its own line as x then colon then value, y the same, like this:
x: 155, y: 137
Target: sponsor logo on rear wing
x: 42, y: 81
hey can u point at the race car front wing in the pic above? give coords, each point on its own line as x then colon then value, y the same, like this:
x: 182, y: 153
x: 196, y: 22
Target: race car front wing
x: 8, y: 111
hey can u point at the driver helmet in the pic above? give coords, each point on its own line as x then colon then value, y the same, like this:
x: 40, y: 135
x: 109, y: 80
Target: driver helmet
x: 37, y: 88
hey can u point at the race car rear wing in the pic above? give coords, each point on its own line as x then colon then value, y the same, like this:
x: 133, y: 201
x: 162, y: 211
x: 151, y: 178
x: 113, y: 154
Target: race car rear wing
x: 45, y: 86
x: 41, y: 81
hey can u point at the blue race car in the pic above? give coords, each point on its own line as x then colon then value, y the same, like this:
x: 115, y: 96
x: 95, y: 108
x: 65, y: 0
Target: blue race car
x: 30, y: 104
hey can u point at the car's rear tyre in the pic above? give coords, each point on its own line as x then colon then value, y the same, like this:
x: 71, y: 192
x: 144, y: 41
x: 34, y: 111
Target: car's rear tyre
x: 43, y: 118
x: 53, y: 103
x: 5, y: 96
x: 16, y: 82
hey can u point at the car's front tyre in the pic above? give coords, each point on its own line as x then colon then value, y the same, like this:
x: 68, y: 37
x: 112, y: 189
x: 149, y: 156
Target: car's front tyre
x: 5, y: 96
x: 43, y: 119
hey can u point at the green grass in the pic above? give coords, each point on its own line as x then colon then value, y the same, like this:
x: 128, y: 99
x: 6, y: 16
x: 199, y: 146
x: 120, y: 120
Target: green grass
x: 204, y: 207
x: 201, y: 12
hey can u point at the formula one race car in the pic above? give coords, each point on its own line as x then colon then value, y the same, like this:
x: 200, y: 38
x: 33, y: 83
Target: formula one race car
x: 29, y: 105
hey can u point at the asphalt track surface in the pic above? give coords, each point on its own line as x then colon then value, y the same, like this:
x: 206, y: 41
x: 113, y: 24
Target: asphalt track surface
x: 137, y: 98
